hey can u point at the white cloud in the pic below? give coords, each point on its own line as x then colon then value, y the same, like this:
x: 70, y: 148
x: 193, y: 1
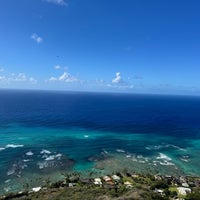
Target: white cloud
x: 58, y: 2
x: 117, y: 78
x: 36, y: 38
x: 119, y: 83
x: 2, y: 78
x: 32, y: 80
x: 57, y: 67
x: 53, y: 79
x: 65, y: 77
x: 1, y: 69
x: 20, y: 77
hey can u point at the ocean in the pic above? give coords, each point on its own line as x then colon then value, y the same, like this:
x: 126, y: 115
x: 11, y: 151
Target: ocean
x: 46, y: 134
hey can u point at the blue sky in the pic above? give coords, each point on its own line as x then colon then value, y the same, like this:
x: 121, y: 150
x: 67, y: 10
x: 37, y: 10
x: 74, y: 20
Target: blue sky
x: 136, y: 46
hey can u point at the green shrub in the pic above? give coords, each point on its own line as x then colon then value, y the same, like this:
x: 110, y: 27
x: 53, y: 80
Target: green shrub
x: 195, y: 195
x: 160, y: 184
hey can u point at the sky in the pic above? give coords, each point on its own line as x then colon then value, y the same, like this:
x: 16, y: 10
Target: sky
x: 134, y: 46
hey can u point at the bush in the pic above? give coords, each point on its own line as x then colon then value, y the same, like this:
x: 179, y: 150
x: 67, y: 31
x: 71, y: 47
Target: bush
x: 173, y: 193
x: 160, y: 184
x: 195, y: 195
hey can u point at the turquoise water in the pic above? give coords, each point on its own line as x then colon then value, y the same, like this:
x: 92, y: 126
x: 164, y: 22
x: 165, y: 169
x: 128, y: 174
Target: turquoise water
x: 28, y: 156
x: 45, y: 135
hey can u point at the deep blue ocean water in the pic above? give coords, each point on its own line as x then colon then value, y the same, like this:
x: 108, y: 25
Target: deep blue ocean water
x: 46, y: 133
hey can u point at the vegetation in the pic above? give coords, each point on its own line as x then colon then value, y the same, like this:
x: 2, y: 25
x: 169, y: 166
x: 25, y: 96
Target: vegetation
x: 123, y: 186
x: 194, y: 195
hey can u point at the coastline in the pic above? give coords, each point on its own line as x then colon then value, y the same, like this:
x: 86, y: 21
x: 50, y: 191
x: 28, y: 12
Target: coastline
x: 118, y: 185
x: 53, y: 167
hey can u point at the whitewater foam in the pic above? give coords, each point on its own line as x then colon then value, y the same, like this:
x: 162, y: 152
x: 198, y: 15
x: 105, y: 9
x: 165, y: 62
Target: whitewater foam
x: 7, y: 181
x: 44, y: 151
x: 29, y: 153
x: 163, y: 157
x: 120, y: 150
x: 58, y: 155
x: 14, y: 145
x: 163, y: 146
x: 1, y: 149
x: 50, y: 158
x: 26, y: 160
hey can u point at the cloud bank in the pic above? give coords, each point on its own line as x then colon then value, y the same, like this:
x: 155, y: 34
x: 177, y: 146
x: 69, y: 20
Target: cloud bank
x: 20, y: 77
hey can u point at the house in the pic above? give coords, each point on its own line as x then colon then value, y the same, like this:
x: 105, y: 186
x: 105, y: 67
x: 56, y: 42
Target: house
x: 185, y: 185
x: 116, y: 178
x: 183, y: 190
x: 107, y: 179
x: 128, y: 184
x: 97, y: 181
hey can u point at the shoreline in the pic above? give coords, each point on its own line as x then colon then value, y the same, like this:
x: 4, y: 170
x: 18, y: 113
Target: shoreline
x: 114, y: 185
x: 103, y: 165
